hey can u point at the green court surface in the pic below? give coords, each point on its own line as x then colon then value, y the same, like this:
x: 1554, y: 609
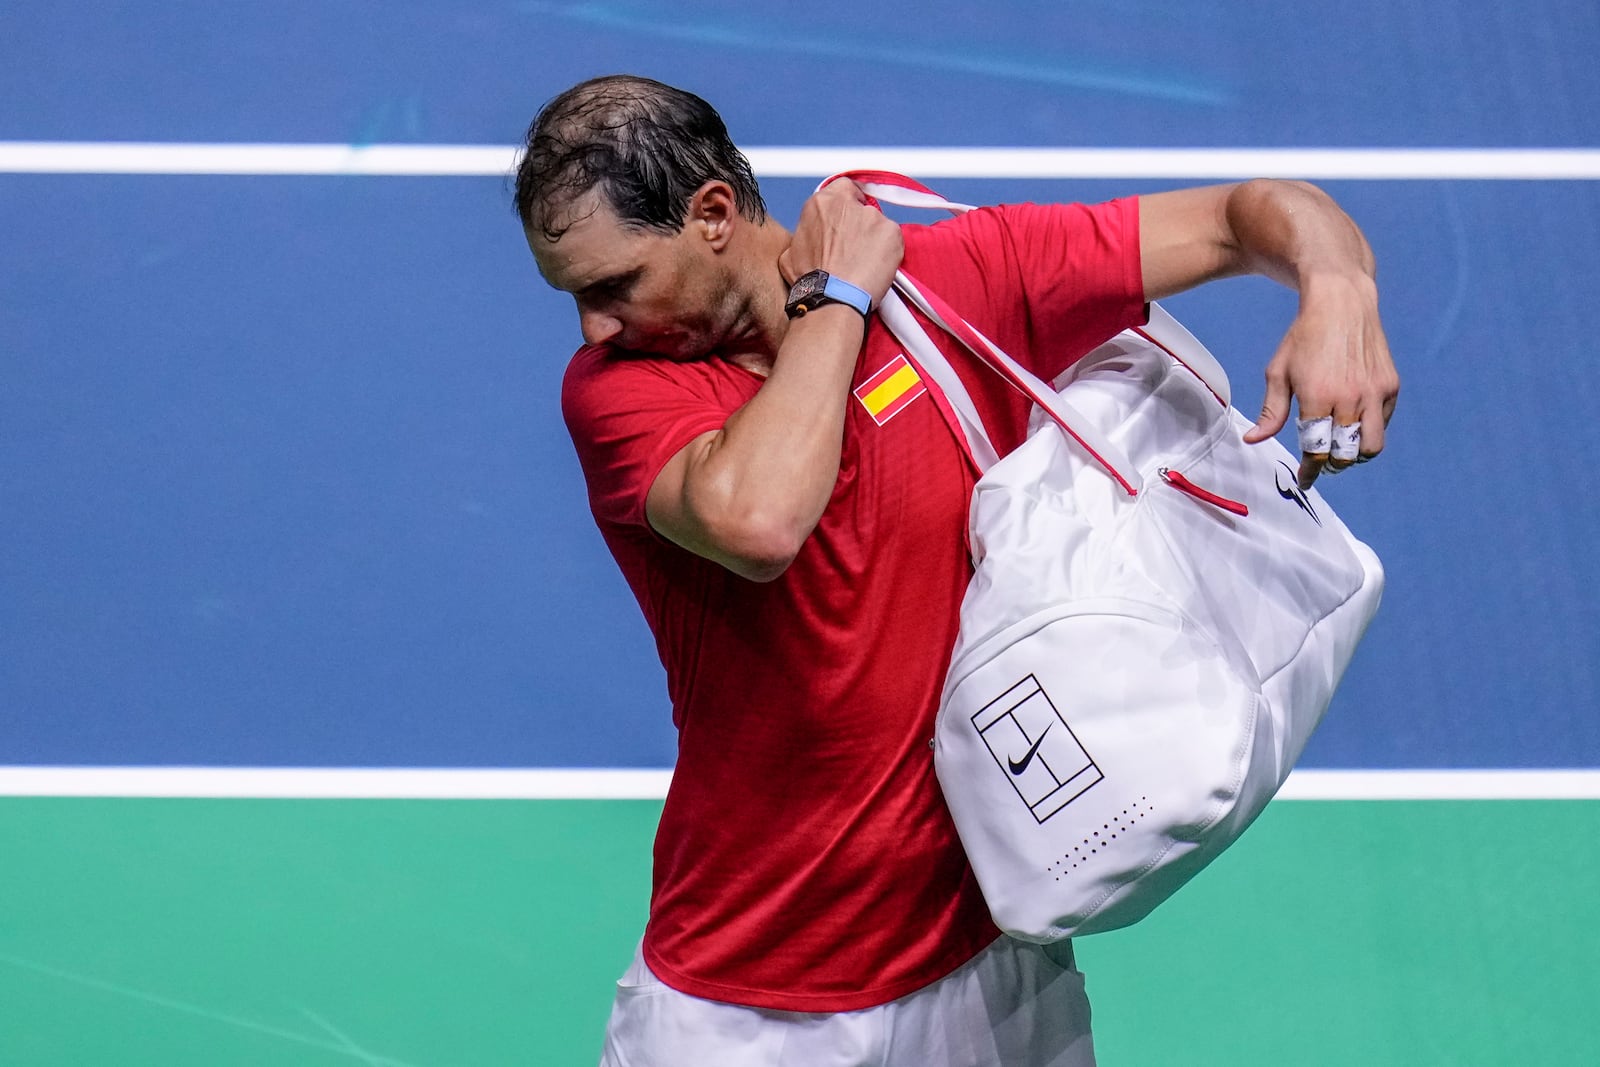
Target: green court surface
x: 485, y: 933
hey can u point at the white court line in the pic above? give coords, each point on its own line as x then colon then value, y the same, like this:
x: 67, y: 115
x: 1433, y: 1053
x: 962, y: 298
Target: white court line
x: 423, y: 783
x: 1538, y: 164
x: 1312, y: 784
x: 385, y: 783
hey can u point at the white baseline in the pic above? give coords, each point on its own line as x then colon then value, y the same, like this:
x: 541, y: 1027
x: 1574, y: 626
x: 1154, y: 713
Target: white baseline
x: 424, y: 783
x: 397, y: 160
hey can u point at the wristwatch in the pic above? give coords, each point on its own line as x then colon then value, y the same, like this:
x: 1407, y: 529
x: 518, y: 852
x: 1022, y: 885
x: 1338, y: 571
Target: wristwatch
x: 818, y: 287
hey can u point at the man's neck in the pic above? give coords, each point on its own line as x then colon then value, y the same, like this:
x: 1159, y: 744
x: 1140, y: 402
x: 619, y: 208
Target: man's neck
x: 763, y: 324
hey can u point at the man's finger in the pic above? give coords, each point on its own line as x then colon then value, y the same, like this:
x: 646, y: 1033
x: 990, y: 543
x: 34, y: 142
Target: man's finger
x: 1310, y: 467
x: 1346, y: 445
x: 1376, y: 420
x: 1274, y: 409
x: 1316, y: 445
x: 1316, y: 435
x: 1368, y: 440
x: 1346, y: 441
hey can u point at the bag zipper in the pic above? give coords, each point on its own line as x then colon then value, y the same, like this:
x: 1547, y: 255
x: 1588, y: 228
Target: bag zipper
x: 1179, y: 482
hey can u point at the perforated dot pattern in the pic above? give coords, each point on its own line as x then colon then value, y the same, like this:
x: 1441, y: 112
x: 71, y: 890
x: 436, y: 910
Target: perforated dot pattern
x: 1099, y: 840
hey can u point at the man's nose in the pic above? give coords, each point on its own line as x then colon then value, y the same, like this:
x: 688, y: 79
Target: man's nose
x: 598, y: 328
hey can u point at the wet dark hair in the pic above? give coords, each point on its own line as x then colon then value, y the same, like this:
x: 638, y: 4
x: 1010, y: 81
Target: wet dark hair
x: 646, y: 147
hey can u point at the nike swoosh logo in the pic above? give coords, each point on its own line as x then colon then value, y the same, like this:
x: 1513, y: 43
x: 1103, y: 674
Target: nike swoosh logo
x: 1018, y: 766
x: 1293, y: 493
x: 1287, y: 494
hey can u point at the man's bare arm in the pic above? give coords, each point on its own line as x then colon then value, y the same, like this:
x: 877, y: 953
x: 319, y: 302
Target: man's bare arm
x: 1334, y: 358
x: 748, y: 495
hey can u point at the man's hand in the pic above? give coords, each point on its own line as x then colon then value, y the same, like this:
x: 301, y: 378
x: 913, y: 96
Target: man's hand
x: 748, y: 495
x: 1336, y: 361
x: 843, y: 234
x: 1334, y: 358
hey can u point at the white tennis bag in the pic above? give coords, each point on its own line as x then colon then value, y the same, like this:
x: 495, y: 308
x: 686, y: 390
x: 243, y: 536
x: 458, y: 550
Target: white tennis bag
x: 1157, y: 622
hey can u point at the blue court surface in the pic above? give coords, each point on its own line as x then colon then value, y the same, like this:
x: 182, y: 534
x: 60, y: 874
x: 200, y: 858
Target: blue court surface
x: 284, y: 475
x: 283, y: 480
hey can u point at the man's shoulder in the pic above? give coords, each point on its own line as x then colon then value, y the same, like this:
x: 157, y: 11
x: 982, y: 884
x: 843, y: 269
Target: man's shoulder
x: 602, y: 381
x: 612, y: 365
x: 1024, y: 239
x: 997, y: 220
x: 595, y: 378
x: 979, y: 234
x: 592, y: 363
x: 972, y: 251
x: 954, y: 229
x: 590, y: 360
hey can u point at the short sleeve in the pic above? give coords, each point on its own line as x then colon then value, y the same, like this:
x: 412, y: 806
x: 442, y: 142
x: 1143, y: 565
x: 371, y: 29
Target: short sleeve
x: 1053, y: 281
x: 629, y: 416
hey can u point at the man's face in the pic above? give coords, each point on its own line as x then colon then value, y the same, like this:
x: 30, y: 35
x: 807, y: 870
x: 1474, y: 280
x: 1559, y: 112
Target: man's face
x: 638, y: 289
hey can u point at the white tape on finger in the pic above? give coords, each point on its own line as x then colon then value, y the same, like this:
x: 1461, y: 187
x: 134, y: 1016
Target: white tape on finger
x: 1347, y: 443
x: 1316, y: 435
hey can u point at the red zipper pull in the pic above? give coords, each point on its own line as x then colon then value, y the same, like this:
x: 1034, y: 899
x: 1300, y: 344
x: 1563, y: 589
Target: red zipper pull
x: 1178, y: 481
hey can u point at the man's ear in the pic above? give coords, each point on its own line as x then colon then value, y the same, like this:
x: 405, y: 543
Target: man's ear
x: 714, y: 212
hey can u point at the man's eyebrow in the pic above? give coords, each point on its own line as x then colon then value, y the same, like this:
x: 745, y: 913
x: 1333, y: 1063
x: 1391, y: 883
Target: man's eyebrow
x: 610, y: 281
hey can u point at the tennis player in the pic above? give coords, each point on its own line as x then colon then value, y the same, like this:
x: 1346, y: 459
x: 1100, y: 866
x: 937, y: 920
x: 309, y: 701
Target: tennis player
x: 788, y: 507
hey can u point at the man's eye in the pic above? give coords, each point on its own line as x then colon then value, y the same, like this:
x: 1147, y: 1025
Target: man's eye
x: 617, y: 288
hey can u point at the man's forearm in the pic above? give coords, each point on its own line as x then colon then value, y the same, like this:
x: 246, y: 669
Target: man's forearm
x: 1293, y: 232
x: 1334, y: 361
x: 748, y: 495
x: 761, y: 484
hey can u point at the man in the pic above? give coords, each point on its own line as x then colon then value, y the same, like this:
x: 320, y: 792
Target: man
x: 797, y: 548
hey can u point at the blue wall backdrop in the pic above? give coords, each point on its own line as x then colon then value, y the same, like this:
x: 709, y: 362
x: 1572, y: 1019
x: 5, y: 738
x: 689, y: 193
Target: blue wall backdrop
x: 282, y: 475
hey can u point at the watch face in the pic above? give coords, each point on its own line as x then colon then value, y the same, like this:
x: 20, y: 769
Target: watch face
x: 807, y: 293
x: 808, y: 285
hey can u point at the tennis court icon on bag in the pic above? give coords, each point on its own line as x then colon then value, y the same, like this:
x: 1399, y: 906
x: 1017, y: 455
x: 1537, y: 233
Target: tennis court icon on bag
x: 1035, y: 748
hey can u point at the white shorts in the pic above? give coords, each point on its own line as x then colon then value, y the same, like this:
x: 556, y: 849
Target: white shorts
x: 1011, y: 1005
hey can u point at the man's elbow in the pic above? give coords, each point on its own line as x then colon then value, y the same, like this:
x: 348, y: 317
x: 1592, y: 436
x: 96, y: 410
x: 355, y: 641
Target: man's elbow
x: 757, y: 547
x: 756, y: 541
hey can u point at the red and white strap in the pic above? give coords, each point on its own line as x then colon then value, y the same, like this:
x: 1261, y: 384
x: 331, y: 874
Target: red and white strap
x: 898, y: 189
x: 930, y: 364
x: 1072, y: 422
x: 1162, y: 330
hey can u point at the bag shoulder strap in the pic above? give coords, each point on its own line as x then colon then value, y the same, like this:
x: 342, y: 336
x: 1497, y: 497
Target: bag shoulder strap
x: 932, y: 367
x: 1069, y: 419
x: 1161, y: 330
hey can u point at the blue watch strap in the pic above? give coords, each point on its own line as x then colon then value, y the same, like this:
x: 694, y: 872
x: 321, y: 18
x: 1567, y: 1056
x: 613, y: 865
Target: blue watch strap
x: 842, y: 291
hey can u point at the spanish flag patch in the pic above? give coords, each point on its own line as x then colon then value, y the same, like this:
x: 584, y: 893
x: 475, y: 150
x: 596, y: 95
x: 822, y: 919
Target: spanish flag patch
x: 890, y: 389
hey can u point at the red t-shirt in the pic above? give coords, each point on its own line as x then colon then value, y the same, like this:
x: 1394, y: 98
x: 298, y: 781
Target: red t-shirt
x: 805, y: 859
